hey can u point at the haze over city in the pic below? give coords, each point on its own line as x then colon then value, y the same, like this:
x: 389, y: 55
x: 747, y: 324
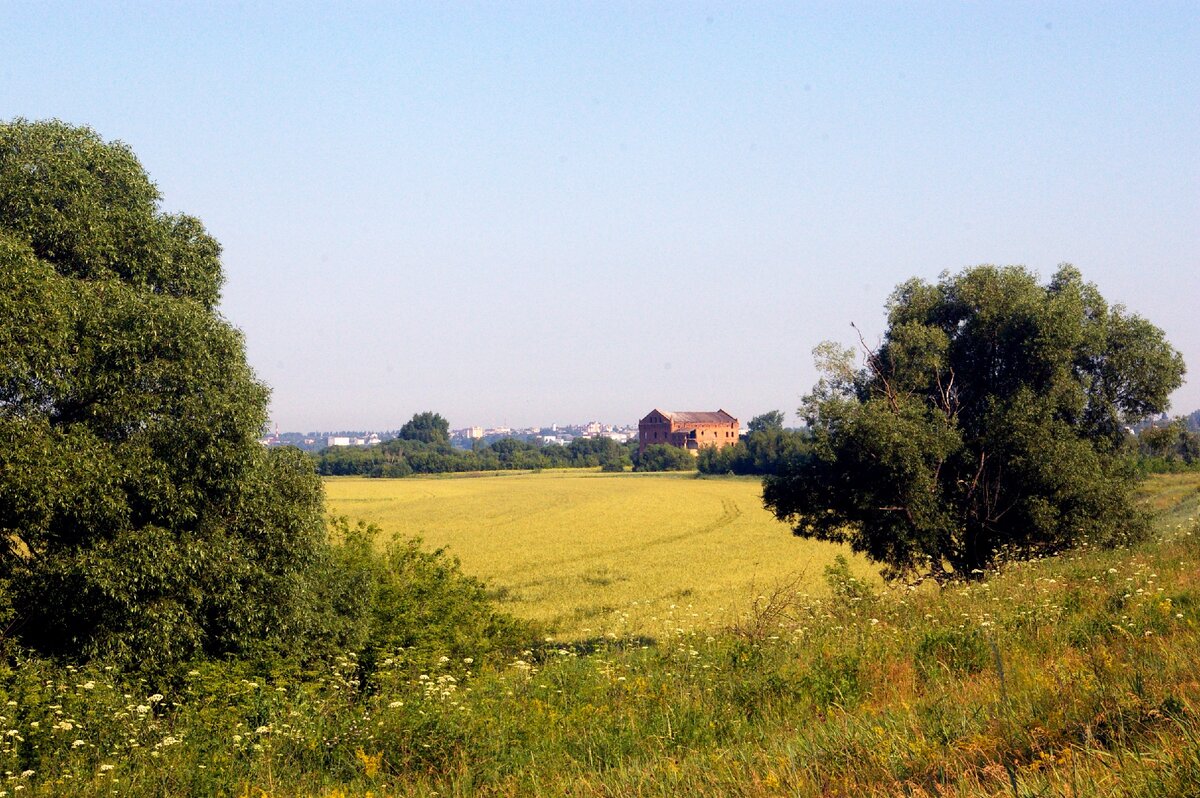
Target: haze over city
x: 523, y: 214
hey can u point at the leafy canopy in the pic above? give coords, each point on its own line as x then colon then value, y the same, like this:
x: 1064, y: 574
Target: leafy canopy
x: 139, y: 517
x: 765, y: 448
x: 427, y: 427
x: 664, y: 457
x: 987, y: 424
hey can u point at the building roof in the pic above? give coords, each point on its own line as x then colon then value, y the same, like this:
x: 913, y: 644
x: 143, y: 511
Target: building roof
x: 698, y: 417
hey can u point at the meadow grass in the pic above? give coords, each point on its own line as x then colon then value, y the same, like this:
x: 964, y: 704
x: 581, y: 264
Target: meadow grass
x: 1076, y: 675
x: 586, y: 553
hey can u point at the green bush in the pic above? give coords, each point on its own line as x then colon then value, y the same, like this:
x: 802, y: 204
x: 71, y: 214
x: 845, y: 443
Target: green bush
x: 662, y: 457
x: 376, y: 602
x: 844, y: 585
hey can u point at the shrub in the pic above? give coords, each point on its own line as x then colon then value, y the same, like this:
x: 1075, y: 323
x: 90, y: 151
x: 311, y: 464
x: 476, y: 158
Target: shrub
x: 662, y: 457
x: 404, y: 597
x: 843, y: 584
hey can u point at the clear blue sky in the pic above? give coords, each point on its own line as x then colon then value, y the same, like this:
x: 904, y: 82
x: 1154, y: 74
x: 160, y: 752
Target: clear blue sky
x: 534, y: 213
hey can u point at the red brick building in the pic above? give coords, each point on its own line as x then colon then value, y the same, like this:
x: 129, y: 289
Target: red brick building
x: 688, y: 430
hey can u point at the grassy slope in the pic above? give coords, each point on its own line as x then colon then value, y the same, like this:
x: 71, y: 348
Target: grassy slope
x: 587, y: 553
x: 1074, y: 676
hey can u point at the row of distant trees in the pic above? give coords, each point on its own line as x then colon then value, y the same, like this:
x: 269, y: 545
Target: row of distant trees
x: 1170, y: 446
x: 769, y: 449
x: 423, y: 447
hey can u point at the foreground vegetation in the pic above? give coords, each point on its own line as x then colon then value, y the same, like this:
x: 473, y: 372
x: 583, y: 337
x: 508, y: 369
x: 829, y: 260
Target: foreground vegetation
x: 587, y: 553
x: 1073, y: 675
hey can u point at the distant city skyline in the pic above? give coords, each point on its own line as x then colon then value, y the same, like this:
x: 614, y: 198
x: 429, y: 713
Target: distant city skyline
x: 528, y: 213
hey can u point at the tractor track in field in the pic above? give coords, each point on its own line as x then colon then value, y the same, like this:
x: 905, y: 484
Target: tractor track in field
x: 730, y: 512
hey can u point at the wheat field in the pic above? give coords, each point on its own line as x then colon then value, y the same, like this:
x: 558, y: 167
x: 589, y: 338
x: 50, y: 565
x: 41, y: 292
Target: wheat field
x: 587, y: 554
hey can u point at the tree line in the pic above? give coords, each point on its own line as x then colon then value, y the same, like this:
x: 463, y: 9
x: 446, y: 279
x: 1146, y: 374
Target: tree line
x: 423, y: 446
x: 1171, y: 446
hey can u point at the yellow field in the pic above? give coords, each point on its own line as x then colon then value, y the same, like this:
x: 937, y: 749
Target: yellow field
x: 588, y: 553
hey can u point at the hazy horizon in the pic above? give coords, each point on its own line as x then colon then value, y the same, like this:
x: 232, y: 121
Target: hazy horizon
x: 525, y: 214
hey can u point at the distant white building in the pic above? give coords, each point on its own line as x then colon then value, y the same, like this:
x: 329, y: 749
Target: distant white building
x: 337, y: 440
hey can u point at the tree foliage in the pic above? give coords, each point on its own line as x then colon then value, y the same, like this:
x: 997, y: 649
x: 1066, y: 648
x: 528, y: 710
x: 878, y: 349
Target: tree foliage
x: 664, y: 457
x: 411, y: 454
x: 765, y: 449
x: 767, y: 422
x: 988, y: 423
x: 139, y: 517
x: 1168, y: 447
x: 427, y: 427
x: 388, y: 596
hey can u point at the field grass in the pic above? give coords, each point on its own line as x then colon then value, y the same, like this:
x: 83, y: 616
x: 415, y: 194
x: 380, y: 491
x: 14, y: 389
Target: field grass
x: 586, y: 553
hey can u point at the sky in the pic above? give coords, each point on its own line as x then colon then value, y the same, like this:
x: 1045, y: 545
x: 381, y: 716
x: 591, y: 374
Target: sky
x: 531, y: 213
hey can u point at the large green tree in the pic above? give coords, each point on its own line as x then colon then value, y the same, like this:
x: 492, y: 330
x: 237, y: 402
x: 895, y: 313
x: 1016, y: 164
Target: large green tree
x: 427, y: 427
x: 139, y: 517
x: 986, y: 424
